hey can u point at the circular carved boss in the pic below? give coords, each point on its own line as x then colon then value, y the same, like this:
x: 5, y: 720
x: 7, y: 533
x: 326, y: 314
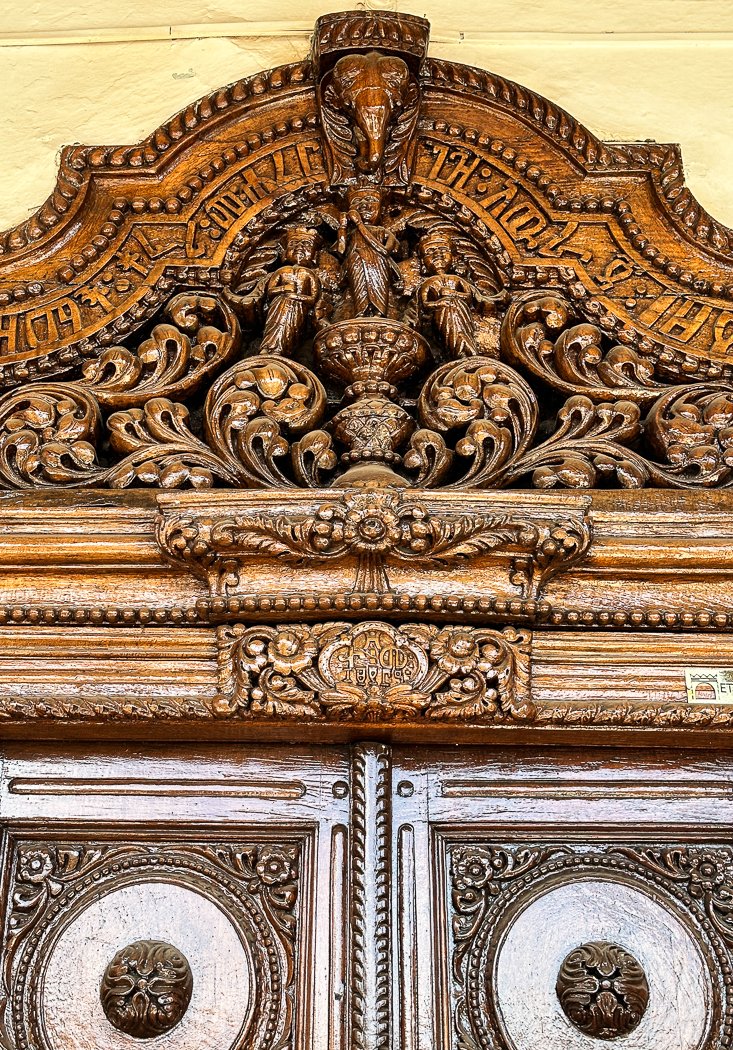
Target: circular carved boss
x: 602, y: 989
x: 146, y: 989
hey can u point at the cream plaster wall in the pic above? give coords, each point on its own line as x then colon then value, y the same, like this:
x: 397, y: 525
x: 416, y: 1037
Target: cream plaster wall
x: 109, y: 71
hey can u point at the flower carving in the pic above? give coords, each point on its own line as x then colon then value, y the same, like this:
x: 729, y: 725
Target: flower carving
x: 373, y: 671
x: 292, y: 649
x: 457, y: 649
x: 472, y: 868
x: 708, y: 871
x: 276, y: 867
x: 363, y: 523
x: 35, y: 864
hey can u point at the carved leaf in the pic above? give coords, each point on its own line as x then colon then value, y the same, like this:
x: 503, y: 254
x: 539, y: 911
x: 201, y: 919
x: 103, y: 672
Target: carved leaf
x: 47, y: 437
x: 173, y: 361
x: 543, y: 333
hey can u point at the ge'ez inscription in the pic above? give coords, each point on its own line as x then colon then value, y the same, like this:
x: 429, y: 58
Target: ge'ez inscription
x: 374, y: 659
x: 709, y: 685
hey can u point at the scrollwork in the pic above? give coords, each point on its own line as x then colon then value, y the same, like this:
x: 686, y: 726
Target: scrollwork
x: 492, y: 407
x: 200, y: 336
x: 48, y: 437
x: 253, y: 406
x: 374, y: 671
x: 544, y: 334
x: 373, y: 530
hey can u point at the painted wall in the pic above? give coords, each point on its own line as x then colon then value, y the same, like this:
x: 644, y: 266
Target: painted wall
x: 109, y: 71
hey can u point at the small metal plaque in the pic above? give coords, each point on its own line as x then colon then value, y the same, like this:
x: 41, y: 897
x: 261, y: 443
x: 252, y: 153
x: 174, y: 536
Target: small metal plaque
x: 709, y: 685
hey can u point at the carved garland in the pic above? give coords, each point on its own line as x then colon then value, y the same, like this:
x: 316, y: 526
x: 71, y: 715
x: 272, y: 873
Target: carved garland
x: 372, y: 530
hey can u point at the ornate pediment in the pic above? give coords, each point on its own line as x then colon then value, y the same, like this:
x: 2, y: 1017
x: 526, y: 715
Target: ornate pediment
x: 369, y: 268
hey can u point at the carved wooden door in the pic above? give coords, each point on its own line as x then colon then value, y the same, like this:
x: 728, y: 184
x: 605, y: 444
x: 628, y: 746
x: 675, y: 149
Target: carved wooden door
x: 366, y: 651
x: 573, y: 899
x: 175, y: 898
x: 366, y: 896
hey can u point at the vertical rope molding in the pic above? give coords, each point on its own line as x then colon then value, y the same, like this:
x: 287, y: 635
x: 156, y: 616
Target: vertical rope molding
x: 370, y: 898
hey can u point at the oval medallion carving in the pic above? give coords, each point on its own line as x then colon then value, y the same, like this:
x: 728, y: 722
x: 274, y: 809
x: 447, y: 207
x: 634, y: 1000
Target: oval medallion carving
x: 373, y: 657
x: 146, y: 989
x: 602, y: 989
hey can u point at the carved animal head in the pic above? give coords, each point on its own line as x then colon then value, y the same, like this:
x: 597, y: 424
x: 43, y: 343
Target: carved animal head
x: 371, y: 89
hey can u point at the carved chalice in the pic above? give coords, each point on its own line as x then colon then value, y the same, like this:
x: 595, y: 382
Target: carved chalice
x: 371, y: 356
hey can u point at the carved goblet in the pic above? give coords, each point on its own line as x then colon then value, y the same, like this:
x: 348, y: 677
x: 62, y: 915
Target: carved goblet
x: 371, y: 356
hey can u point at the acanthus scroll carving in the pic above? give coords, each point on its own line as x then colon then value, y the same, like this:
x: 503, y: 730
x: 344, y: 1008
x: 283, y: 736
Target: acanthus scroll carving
x: 338, y: 672
x: 128, y: 228
x: 372, y: 531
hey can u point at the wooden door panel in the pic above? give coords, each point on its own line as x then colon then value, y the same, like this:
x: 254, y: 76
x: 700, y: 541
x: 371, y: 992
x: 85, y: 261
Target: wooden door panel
x: 549, y: 875
x: 472, y: 899
x: 198, y: 900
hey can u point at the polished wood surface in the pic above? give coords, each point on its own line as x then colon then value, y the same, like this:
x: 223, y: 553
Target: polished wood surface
x: 366, y: 666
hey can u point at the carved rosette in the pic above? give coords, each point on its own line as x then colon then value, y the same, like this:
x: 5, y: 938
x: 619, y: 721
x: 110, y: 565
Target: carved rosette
x: 603, y: 990
x: 374, y: 672
x: 146, y: 989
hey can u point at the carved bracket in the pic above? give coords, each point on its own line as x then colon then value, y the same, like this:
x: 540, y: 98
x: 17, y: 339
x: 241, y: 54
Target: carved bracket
x: 375, y: 537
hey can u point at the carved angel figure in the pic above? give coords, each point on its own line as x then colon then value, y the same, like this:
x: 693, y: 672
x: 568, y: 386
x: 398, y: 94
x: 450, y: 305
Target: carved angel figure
x: 293, y: 295
x: 369, y: 249
x: 461, y: 311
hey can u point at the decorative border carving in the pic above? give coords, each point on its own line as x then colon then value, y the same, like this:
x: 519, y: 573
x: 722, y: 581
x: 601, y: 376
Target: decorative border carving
x: 488, y: 882
x: 373, y: 530
x: 370, y: 869
x: 374, y: 672
x: 256, y: 885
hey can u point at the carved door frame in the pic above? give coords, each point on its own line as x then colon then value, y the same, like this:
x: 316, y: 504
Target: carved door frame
x: 370, y: 403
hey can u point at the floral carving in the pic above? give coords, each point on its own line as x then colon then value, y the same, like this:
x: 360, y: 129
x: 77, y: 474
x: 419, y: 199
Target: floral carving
x: 374, y: 529
x: 603, y: 990
x: 146, y: 989
x: 601, y: 986
x: 707, y: 874
x: 374, y: 671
